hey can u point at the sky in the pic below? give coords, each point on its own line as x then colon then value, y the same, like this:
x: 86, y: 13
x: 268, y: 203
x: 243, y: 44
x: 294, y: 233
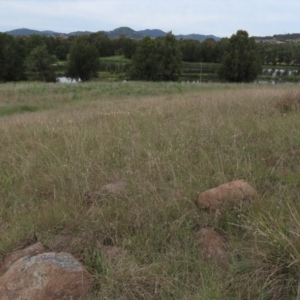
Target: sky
x: 221, y: 18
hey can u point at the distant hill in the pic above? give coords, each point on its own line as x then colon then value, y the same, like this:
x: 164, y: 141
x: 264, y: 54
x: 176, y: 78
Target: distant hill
x: 26, y: 32
x: 126, y: 31
x: 152, y: 32
x: 198, y: 37
x: 49, y: 32
x: 157, y: 32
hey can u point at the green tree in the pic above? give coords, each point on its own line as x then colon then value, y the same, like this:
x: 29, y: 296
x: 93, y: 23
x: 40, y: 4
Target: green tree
x: 169, y: 58
x: 61, y: 52
x: 41, y: 62
x: 270, y: 55
x: 103, y: 43
x: 190, y: 50
x: 208, y: 50
x: 129, y: 47
x: 12, y: 56
x: 220, y: 49
x: 83, y: 62
x: 158, y: 59
x: 145, y: 62
x: 241, y: 62
x: 33, y: 41
x: 288, y: 54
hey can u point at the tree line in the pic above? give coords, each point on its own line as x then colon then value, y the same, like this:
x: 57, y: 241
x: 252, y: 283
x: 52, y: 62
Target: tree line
x: 20, y: 56
x: 152, y: 59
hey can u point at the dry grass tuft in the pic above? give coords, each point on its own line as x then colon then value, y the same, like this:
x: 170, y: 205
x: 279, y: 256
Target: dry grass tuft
x: 289, y: 102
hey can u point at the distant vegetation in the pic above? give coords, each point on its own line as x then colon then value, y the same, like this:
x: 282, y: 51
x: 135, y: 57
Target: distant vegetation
x: 287, y: 38
x: 193, y: 56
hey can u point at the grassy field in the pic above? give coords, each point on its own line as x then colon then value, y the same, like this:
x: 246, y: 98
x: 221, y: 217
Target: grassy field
x: 115, y: 59
x: 158, y: 145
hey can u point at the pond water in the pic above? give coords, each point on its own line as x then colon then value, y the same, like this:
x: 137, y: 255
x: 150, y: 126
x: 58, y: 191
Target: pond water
x: 66, y: 80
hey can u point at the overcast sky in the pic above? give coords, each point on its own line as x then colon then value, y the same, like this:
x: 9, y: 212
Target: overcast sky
x: 218, y: 17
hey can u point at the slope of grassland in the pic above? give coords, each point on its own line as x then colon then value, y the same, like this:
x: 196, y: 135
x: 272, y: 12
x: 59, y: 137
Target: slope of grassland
x: 61, y: 144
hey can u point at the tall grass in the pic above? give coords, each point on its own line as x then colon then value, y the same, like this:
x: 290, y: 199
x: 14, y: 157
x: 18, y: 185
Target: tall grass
x: 166, y: 142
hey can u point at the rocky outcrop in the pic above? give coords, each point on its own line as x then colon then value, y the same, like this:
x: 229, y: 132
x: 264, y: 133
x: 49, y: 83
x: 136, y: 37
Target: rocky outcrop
x: 235, y: 193
x: 46, y: 276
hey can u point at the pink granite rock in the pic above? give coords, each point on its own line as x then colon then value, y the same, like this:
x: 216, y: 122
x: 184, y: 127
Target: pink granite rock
x: 235, y: 193
x: 46, y: 276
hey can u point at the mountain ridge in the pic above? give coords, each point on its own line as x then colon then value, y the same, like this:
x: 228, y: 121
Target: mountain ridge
x: 128, y: 32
